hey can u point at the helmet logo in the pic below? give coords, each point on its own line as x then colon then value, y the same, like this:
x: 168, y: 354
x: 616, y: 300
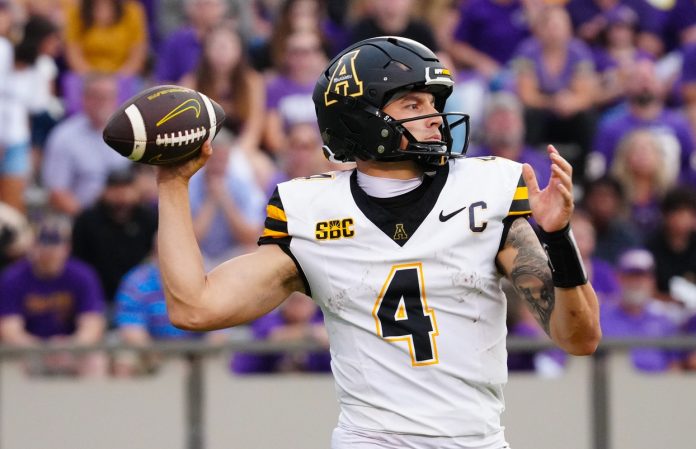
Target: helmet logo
x: 438, y: 75
x: 344, y: 79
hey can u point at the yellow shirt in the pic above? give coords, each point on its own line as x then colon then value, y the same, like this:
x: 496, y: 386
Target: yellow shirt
x: 106, y: 48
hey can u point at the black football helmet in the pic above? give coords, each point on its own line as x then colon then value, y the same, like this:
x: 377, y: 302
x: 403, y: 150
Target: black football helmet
x: 351, y: 93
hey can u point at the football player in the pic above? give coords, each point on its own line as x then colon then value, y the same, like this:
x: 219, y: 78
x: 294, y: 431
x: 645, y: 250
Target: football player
x: 404, y: 255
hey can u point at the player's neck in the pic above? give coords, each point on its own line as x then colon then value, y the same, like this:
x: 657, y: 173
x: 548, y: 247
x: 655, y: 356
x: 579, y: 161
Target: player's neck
x: 390, y: 170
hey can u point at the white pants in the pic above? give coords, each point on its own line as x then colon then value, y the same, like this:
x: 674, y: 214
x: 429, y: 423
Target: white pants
x: 343, y: 438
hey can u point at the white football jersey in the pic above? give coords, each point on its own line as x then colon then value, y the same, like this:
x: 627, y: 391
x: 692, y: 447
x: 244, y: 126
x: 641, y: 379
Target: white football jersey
x: 412, y: 304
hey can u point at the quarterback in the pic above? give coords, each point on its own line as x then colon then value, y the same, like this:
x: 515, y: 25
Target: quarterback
x: 404, y: 254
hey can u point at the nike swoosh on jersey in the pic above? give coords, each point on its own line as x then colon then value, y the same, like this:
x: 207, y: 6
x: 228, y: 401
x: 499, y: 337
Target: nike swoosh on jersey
x: 444, y: 218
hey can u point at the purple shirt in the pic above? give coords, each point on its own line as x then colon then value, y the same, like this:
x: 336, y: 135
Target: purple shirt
x: 579, y: 58
x: 293, y: 101
x: 582, y: 11
x: 604, y: 281
x: 689, y: 65
x: 492, y: 28
x: 267, y: 363
x: 670, y: 127
x: 50, y: 307
x: 178, y: 55
x: 605, y: 61
x: 539, y: 162
x: 616, y: 322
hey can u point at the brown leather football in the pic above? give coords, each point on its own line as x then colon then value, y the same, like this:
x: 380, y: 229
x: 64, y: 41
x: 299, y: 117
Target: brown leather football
x: 163, y: 125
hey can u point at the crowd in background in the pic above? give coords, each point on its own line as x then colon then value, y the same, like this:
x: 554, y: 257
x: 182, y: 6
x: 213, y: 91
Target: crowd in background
x: 611, y: 83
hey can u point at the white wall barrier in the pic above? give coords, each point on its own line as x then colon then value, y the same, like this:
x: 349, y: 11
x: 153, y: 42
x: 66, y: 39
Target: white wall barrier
x: 194, y: 402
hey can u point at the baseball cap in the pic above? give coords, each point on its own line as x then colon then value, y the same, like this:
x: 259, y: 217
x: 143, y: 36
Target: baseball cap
x: 120, y: 176
x: 54, y: 229
x: 636, y: 261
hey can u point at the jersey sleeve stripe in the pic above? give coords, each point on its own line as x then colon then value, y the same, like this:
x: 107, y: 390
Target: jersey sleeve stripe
x: 276, y: 213
x: 276, y: 225
x: 273, y: 234
x: 275, y: 200
x: 521, y: 212
x: 520, y: 200
x: 521, y: 193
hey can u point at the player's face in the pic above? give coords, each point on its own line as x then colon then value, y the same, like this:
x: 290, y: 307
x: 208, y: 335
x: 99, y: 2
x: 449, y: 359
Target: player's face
x: 415, y: 104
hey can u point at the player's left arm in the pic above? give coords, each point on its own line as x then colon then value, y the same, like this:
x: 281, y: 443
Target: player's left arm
x: 562, y: 300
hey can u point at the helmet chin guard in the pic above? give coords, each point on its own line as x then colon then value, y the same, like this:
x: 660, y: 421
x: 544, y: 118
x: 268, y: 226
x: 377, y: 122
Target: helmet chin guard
x: 351, y: 93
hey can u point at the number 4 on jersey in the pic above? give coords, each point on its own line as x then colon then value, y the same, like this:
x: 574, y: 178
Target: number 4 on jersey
x: 401, y: 313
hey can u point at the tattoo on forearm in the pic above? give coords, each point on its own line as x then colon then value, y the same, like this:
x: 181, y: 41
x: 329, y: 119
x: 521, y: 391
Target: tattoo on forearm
x: 531, y: 275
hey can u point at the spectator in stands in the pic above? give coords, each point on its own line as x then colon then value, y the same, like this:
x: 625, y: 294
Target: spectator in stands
x: 645, y: 109
x: 590, y: 17
x: 503, y: 135
x: 106, y: 35
x: 227, y: 203
x: 34, y: 76
x: 665, y: 26
x: 674, y: 244
x: 51, y: 297
x: 14, y: 133
x: 181, y: 50
x: 636, y: 314
x: 293, y: 16
x: 600, y: 272
x: 640, y: 167
x: 289, y: 94
x: 115, y: 234
x: 556, y: 82
x: 605, y: 203
x: 615, y: 53
x: 302, y: 157
x: 297, y: 319
x: 487, y: 35
x: 442, y: 17
x: 225, y: 76
x: 392, y: 18
x: 76, y: 160
x: 141, y: 318
x: 15, y: 235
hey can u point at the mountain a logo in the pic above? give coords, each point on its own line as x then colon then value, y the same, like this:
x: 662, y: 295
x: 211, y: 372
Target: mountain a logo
x: 334, y: 229
x: 190, y: 104
x: 344, y: 79
x: 400, y: 232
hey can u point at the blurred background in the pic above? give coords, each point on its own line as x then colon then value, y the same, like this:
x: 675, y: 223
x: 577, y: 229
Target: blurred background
x: 611, y: 83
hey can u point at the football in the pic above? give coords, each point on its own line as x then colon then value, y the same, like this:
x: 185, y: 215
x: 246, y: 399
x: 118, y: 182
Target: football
x: 163, y: 125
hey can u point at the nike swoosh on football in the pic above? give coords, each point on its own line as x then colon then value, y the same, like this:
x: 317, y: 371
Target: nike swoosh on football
x: 444, y: 218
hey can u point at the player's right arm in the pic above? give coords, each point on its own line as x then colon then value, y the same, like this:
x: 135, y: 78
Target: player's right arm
x: 235, y: 292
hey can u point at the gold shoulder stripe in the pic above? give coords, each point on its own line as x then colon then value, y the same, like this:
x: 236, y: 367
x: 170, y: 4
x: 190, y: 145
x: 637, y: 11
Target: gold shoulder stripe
x: 274, y: 234
x: 522, y: 193
x: 276, y: 213
x: 520, y: 212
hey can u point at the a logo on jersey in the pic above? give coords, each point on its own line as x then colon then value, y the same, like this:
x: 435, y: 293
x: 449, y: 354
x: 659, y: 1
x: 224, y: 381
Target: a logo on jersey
x: 444, y: 218
x: 400, y: 232
x: 344, y: 79
x: 334, y: 229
